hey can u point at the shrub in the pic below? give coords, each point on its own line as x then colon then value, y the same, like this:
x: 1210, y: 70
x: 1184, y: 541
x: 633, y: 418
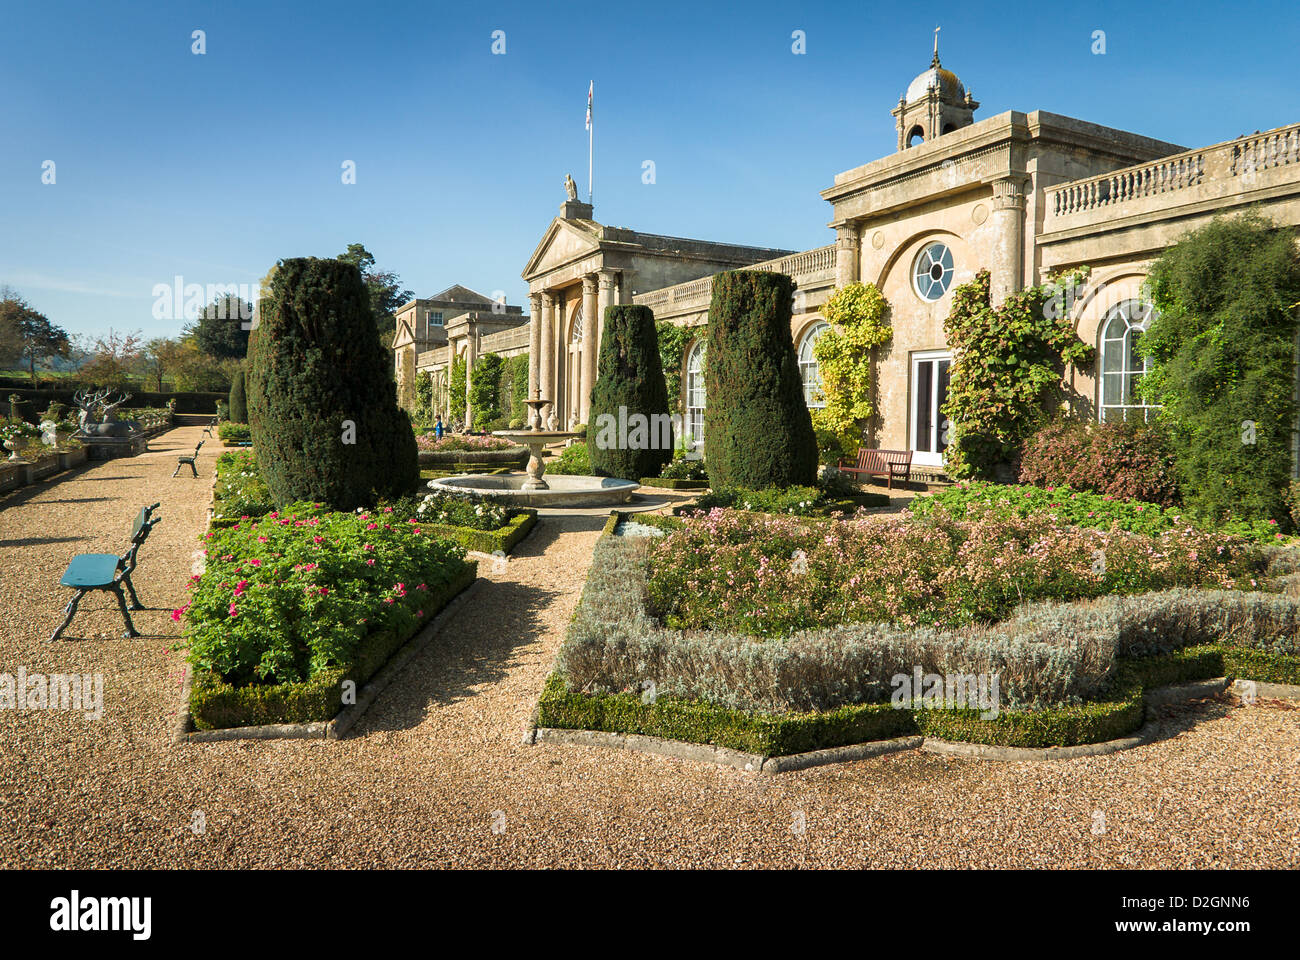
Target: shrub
x: 293, y: 594
x: 1131, y: 461
x: 573, y: 461
x: 322, y: 404
x: 802, y: 501
x: 231, y: 432
x: 238, y: 407
x: 629, y: 390
x: 758, y: 430
x: 683, y: 469
x: 239, y: 492
x: 768, y: 576
x: 430, y: 441
x: 1102, y: 511
x: 1006, y: 372
x: 672, y: 352
x: 1221, y: 343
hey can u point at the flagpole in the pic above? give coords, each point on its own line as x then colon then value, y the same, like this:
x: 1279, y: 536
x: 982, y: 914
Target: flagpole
x: 591, y: 133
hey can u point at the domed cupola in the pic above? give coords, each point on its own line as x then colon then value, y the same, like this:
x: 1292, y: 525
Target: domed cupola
x: 935, y: 103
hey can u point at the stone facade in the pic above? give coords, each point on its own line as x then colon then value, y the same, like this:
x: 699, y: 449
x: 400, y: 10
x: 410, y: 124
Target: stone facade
x: 1024, y: 195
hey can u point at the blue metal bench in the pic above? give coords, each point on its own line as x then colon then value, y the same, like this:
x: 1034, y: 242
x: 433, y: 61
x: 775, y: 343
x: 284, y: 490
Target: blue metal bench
x: 207, y: 431
x: 189, y: 461
x: 108, y: 571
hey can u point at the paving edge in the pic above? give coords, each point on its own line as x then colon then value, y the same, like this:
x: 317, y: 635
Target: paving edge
x: 753, y: 762
x: 345, y: 718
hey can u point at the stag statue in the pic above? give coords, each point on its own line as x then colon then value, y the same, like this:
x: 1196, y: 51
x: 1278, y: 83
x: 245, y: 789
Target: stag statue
x: 94, y: 406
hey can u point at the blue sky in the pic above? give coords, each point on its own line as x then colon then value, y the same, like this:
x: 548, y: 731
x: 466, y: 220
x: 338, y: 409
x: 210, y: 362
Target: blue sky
x: 213, y: 167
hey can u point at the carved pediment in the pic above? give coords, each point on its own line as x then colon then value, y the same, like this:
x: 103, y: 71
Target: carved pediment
x: 564, y: 241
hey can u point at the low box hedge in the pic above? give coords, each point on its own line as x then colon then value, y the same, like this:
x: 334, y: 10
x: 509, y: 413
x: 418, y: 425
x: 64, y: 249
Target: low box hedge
x: 471, y: 461
x: 488, y: 541
x: 669, y: 484
x: 216, y: 704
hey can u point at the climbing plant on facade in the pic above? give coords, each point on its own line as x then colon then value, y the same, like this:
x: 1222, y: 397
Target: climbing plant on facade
x: 672, y: 349
x: 859, y: 318
x: 456, y: 389
x: 1007, y: 370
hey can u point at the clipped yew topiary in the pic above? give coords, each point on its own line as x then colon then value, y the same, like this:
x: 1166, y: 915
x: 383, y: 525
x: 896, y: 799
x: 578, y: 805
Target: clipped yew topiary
x: 322, y: 406
x: 628, y: 430
x: 238, y: 398
x: 757, y: 429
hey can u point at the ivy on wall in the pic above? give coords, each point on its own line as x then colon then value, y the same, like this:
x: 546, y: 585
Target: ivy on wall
x: 1007, y: 370
x: 859, y: 318
x: 672, y: 351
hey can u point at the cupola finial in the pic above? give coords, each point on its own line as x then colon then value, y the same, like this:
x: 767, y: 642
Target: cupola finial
x: 935, y: 61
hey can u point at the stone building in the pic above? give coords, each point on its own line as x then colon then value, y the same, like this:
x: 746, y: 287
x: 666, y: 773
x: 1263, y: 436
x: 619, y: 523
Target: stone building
x: 1024, y: 195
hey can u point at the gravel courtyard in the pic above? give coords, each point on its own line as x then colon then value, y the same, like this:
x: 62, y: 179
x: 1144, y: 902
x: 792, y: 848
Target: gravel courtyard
x: 436, y: 774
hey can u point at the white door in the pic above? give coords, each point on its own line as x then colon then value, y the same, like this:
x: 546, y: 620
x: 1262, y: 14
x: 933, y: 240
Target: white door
x: 929, y: 393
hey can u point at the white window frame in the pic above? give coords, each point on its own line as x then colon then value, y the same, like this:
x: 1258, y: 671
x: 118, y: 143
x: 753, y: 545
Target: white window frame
x: 1135, y: 314
x: 949, y: 271
x: 933, y: 457
x: 813, y: 393
x: 695, y: 391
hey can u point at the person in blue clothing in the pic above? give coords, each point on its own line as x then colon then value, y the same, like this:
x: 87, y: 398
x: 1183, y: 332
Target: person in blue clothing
x: 437, y: 427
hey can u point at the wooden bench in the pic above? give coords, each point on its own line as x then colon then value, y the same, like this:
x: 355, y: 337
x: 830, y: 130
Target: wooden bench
x: 890, y: 464
x: 189, y: 461
x: 108, y: 571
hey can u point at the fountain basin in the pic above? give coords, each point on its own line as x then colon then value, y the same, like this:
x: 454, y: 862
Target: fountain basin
x: 561, y: 491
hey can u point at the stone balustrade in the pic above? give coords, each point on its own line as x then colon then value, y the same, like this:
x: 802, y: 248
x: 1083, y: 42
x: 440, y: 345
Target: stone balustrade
x: 809, y: 267
x: 1236, y: 166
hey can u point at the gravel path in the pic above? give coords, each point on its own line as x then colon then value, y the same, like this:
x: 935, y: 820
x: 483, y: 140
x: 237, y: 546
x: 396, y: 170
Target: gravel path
x: 436, y: 774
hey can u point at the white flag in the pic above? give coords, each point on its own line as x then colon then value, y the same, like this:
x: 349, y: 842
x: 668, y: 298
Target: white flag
x: 590, y: 91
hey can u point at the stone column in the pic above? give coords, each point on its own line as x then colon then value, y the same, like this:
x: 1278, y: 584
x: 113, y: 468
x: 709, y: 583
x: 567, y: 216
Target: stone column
x: 546, y: 361
x: 471, y: 354
x: 848, y: 254
x: 1008, y: 223
x: 626, y: 281
x: 604, y: 298
x: 590, y: 338
x: 534, y: 350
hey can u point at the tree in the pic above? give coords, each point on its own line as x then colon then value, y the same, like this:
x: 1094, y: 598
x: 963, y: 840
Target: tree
x: 323, y: 415
x: 29, y: 334
x: 161, y: 357
x: 629, y: 391
x: 484, y: 390
x: 220, y: 329
x: 385, y: 288
x: 757, y: 430
x: 859, y: 318
x: 238, y: 402
x: 1221, y: 343
x: 113, y: 358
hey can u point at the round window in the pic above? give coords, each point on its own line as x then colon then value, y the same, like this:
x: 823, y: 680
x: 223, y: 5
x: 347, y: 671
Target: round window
x: 933, y: 273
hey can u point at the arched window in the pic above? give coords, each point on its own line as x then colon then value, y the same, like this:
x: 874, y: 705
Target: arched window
x: 812, y: 381
x: 932, y: 275
x: 915, y: 136
x: 695, y: 392
x: 575, y: 334
x: 1121, y: 367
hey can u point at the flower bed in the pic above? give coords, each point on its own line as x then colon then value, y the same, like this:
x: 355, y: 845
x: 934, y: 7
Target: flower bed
x: 796, y: 501
x: 239, y: 493
x: 462, y: 443
x: 292, y: 606
x: 768, y: 576
x: 234, y: 433
x: 1070, y: 672
x: 477, y: 523
x: 1075, y: 507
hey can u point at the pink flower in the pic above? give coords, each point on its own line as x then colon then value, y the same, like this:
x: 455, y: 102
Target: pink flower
x: 372, y: 526
x: 255, y: 562
x: 317, y: 539
x: 370, y: 563
x: 233, y: 612
x: 176, y: 615
x: 241, y: 588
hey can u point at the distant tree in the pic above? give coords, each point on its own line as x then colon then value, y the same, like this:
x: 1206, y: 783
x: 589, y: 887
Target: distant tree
x: 113, y: 357
x: 161, y: 357
x: 29, y: 334
x: 238, y: 398
x: 385, y: 288
x: 219, y: 330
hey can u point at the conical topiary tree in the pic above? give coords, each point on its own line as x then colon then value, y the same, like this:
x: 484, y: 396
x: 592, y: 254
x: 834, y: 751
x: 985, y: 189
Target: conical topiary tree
x: 629, y: 435
x: 322, y: 406
x: 238, y: 398
x: 757, y: 430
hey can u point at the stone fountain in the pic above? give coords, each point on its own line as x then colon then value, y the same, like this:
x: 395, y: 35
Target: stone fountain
x: 533, y: 490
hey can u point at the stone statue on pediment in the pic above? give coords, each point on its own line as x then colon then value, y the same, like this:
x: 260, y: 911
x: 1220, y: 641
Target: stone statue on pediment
x: 570, y: 187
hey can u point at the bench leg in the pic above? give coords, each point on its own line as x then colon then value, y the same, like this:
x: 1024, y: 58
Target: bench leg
x: 71, y: 611
x: 177, y: 470
x: 130, y: 588
x: 194, y: 470
x: 126, y: 614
